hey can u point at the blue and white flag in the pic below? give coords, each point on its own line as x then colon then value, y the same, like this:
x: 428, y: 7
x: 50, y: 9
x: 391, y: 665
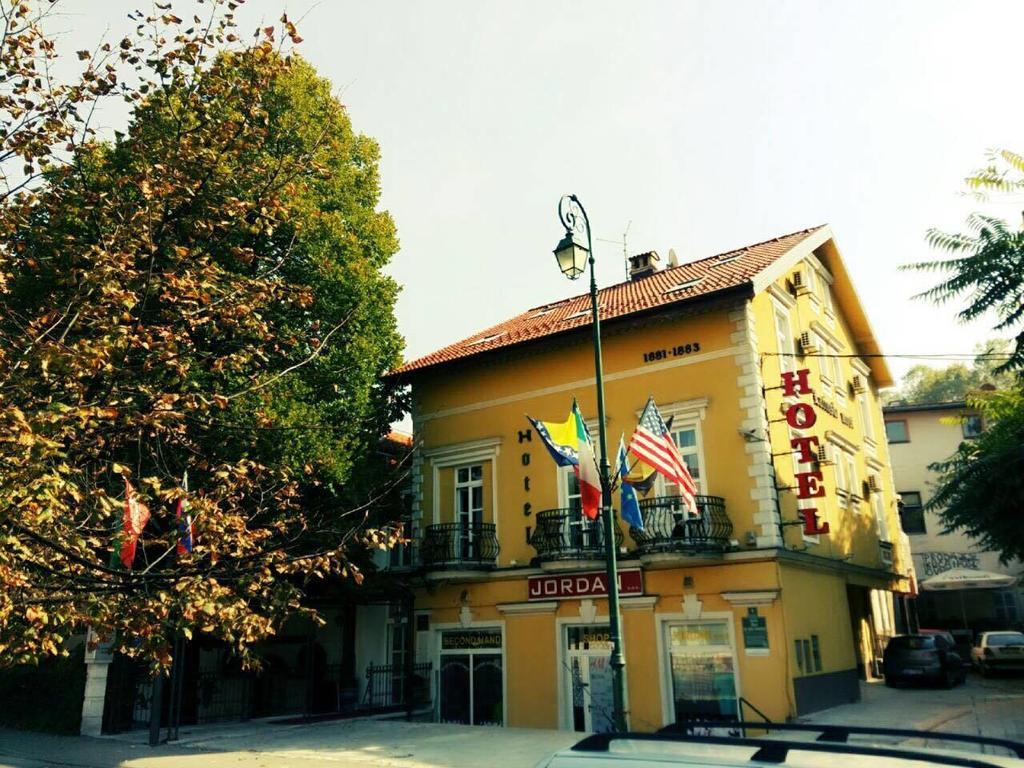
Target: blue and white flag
x: 629, y: 507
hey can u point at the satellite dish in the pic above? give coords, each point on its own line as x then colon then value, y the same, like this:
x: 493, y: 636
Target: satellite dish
x: 673, y: 260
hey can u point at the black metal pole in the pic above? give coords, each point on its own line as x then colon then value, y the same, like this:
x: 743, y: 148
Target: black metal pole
x: 617, y: 662
x: 156, y: 705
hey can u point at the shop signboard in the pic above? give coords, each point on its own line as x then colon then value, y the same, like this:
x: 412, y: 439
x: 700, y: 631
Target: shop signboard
x: 581, y: 585
x: 470, y: 639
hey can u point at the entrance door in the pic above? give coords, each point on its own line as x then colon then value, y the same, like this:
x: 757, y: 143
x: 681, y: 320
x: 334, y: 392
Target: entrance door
x: 589, y: 678
x: 702, y: 665
x: 471, y: 687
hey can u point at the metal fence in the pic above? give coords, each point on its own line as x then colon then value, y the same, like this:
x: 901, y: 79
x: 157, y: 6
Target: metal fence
x: 388, y: 686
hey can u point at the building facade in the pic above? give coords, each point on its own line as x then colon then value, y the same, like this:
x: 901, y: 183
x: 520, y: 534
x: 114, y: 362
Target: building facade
x: 743, y: 609
x: 920, y: 435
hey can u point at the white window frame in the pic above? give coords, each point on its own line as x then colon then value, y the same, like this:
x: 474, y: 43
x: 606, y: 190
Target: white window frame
x: 784, y: 337
x: 852, y: 477
x: 867, y: 423
x: 826, y: 371
x: 662, y: 621
x: 461, y: 454
x: 688, y: 414
x: 878, y: 508
x: 839, y: 462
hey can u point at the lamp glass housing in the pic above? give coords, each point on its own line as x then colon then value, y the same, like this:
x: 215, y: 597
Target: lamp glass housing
x: 571, y: 256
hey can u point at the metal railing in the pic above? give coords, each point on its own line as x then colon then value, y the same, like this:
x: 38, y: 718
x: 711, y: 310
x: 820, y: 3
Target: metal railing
x: 565, y: 534
x: 459, y: 545
x: 388, y: 686
x: 670, y: 527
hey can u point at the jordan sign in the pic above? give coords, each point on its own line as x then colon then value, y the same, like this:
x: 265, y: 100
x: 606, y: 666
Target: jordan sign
x: 590, y: 584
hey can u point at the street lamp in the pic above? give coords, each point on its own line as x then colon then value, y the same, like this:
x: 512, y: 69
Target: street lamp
x: 572, y: 257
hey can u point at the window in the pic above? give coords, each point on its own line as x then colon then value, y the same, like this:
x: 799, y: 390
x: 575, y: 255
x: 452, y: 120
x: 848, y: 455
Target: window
x: 896, y: 431
x: 971, y: 426
x: 842, y: 481
x: 816, y: 653
x: 469, y: 507
x: 852, y: 483
x: 1006, y: 608
x: 784, y: 338
x: 911, y: 512
x: 878, y: 508
x: 866, y: 416
x: 686, y: 440
x: 826, y: 297
x: 829, y: 366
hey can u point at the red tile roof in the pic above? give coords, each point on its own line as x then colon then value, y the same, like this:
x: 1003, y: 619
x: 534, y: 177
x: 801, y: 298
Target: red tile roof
x: 672, y: 286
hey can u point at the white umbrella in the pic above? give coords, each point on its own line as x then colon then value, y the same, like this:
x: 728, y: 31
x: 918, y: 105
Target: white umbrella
x: 966, y: 578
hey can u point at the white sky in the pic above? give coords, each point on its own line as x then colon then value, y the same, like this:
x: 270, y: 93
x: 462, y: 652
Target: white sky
x: 707, y: 125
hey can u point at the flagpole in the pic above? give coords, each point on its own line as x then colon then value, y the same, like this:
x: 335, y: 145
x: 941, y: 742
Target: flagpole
x: 568, y: 209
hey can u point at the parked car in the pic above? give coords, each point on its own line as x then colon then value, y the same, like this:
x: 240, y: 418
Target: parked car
x: 998, y: 650
x: 959, y: 640
x: 922, y: 658
x: 707, y: 745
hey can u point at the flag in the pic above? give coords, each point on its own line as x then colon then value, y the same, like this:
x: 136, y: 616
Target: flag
x: 652, y: 443
x: 642, y: 476
x: 184, y: 520
x: 629, y: 507
x: 559, y: 437
x: 136, y: 515
x: 586, y: 467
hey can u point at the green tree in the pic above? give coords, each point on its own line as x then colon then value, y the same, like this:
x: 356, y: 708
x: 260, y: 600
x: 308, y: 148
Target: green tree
x: 986, y: 264
x: 981, y: 487
x: 925, y: 384
x: 203, y: 293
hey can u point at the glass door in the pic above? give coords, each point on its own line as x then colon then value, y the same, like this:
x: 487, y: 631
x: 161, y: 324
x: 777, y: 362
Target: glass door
x: 471, y: 690
x: 469, y: 508
x: 702, y: 665
x: 589, y: 678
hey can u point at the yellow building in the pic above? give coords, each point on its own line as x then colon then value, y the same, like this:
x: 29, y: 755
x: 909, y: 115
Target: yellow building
x: 734, y: 611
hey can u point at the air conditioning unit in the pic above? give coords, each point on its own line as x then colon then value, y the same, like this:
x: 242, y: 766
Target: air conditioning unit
x: 823, y: 458
x: 808, y: 344
x: 857, y: 385
x: 873, y: 484
x: 800, y: 286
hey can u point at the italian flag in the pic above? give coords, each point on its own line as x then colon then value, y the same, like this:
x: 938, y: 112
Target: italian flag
x: 586, y: 469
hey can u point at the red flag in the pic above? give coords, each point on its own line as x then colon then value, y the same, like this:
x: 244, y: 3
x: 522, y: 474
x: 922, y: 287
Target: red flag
x: 136, y: 515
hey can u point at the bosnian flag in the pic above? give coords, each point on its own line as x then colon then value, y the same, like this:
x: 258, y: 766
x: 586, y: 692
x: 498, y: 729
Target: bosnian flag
x: 586, y: 468
x: 184, y: 520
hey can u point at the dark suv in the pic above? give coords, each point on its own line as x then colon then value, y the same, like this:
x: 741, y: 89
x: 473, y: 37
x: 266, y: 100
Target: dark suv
x: 925, y: 658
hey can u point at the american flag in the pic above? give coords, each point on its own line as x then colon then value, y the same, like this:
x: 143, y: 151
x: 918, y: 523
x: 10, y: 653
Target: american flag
x: 652, y: 443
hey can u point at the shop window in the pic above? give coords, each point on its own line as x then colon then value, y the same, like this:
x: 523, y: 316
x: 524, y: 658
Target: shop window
x: 702, y: 667
x: 911, y: 512
x: 896, y: 431
x: 971, y: 426
x: 589, y: 678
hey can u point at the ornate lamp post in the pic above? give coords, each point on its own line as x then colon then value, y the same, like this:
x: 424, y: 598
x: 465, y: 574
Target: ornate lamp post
x: 572, y: 257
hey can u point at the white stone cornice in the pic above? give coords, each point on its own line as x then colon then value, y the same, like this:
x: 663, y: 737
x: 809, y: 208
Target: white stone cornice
x: 749, y: 597
x: 540, y: 606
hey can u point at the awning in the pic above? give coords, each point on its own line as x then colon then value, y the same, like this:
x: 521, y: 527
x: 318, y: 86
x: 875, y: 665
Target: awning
x: 966, y: 578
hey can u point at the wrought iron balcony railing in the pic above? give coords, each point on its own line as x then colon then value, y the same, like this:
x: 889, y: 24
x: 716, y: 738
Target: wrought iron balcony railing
x: 565, y: 534
x: 670, y: 527
x: 459, y: 545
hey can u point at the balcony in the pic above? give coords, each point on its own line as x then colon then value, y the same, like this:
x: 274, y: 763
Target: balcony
x: 459, y: 546
x: 566, y: 535
x: 670, y: 528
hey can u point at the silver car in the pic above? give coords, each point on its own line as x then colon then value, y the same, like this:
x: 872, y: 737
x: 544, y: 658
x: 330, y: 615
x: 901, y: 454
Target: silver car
x: 998, y: 650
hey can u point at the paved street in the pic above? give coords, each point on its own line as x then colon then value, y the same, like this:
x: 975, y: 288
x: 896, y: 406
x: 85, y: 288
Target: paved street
x: 989, y: 707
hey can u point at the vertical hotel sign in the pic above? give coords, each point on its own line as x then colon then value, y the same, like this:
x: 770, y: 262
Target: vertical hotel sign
x: 801, y: 415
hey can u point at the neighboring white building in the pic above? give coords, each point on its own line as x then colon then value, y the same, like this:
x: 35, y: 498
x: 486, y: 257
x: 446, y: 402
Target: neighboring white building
x: 918, y: 436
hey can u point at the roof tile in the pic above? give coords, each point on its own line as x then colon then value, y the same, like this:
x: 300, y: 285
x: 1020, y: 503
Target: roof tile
x: 675, y: 285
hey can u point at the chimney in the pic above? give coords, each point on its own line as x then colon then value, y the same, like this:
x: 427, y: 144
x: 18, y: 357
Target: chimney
x: 643, y: 265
